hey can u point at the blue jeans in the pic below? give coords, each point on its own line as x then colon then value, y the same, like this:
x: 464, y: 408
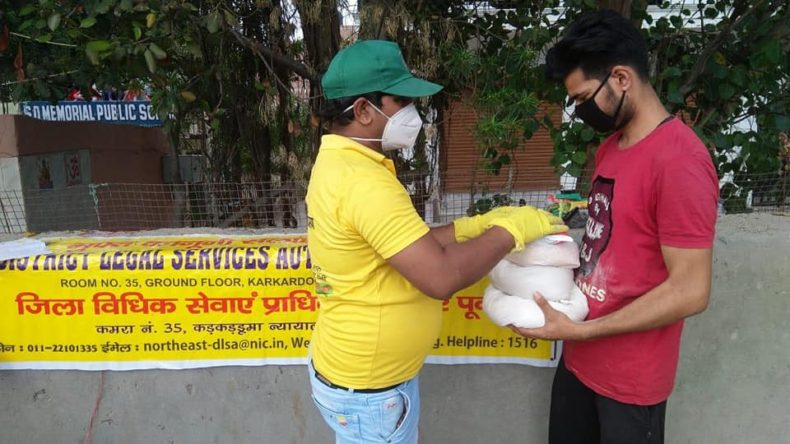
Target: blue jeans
x: 391, y: 416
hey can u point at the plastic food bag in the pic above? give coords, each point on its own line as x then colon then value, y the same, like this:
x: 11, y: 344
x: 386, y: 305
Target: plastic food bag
x: 544, y: 266
x: 554, y: 283
x: 557, y: 250
x: 505, y: 310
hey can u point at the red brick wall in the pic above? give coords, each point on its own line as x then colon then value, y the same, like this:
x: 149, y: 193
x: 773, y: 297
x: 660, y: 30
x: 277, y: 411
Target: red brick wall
x: 462, y: 163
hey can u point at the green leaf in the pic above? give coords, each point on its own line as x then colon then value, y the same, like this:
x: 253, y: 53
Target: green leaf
x: 230, y: 19
x: 532, y: 125
x: 213, y: 22
x: 120, y: 52
x: 138, y: 32
x: 42, y: 90
x: 53, y: 21
x: 579, y: 157
x: 195, y: 50
x: 98, y: 46
x: 87, y: 22
x: 738, y: 76
x: 489, y: 153
x: 27, y: 10
x: 26, y: 24
x: 575, y: 170
x: 504, y: 159
x: 726, y: 90
x: 674, y: 96
x: 722, y: 141
x: 93, y: 57
x: 150, y: 60
x: 496, y: 167
x: 782, y: 123
x: 738, y: 139
x: 547, y: 121
x: 773, y: 52
x: 672, y: 72
x: 188, y: 96
x: 157, y: 51
x: 587, y: 134
x: 104, y: 6
x: 719, y: 71
x: 95, y: 48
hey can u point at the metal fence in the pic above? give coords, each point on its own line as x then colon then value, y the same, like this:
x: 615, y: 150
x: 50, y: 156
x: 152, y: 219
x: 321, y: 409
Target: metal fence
x: 128, y: 207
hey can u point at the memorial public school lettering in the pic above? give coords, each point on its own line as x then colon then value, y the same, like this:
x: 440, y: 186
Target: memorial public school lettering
x: 139, y: 113
x: 186, y: 302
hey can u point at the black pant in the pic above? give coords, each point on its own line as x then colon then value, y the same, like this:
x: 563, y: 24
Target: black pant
x: 581, y: 416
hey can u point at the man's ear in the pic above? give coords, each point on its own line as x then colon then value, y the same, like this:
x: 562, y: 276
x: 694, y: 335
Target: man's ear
x: 623, y: 76
x: 363, y: 112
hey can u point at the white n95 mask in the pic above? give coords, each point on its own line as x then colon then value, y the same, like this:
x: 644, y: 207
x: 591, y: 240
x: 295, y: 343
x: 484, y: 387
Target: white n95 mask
x: 401, y: 130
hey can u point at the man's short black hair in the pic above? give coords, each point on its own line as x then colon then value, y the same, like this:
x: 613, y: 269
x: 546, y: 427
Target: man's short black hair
x: 334, y: 110
x: 595, y: 43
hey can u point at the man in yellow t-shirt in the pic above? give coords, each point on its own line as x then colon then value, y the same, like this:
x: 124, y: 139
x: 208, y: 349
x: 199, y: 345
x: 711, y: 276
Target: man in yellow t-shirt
x: 381, y: 272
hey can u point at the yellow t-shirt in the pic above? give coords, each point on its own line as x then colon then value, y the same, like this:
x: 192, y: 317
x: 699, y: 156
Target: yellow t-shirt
x: 374, y: 328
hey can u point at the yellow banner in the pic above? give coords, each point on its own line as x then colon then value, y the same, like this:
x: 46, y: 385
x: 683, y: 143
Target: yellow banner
x: 189, y: 302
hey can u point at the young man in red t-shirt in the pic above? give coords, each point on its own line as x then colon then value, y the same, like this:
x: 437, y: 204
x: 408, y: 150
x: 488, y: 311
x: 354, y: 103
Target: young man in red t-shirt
x: 647, y: 251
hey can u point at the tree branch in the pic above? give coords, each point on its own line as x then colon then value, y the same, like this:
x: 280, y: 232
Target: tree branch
x: 266, y: 53
x: 38, y: 40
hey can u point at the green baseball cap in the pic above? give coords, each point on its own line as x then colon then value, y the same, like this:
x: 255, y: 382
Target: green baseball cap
x: 373, y: 66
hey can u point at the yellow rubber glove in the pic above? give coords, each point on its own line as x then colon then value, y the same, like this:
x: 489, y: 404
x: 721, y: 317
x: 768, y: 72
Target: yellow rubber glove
x: 467, y: 228
x: 527, y: 224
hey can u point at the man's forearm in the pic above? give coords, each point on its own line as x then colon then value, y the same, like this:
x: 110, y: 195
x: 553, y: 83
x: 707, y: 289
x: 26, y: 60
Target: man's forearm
x: 685, y: 293
x: 470, y: 261
x: 667, y: 303
x: 663, y: 305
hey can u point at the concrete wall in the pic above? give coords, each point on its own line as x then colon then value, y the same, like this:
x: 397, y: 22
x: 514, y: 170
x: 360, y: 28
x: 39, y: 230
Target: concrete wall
x: 732, y: 383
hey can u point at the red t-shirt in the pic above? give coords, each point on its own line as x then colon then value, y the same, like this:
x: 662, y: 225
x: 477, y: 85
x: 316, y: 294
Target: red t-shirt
x: 661, y: 191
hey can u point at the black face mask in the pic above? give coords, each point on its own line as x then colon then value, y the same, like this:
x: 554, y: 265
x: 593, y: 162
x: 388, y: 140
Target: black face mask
x: 592, y: 115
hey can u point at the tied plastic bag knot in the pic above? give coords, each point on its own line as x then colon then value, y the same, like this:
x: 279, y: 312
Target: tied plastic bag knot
x: 556, y: 250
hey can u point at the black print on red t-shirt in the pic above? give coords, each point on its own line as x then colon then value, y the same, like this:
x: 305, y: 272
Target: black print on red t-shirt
x: 599, y: 225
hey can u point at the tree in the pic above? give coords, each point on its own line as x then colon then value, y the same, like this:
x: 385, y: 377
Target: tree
x: 717, y: 63
x: 730, y: 78
x: 238, y: 66
x: 227, y: 66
